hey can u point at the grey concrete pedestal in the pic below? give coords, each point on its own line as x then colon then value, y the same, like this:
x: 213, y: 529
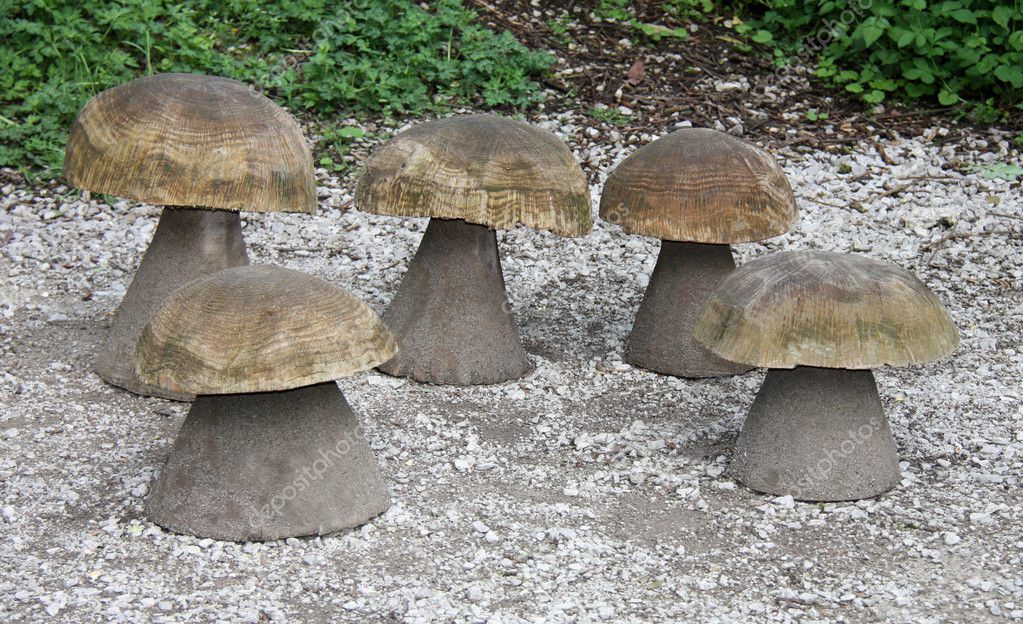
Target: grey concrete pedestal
x: 188, y: 244
x: 817, y: 434
x: 451, y: 315
x: 267, y: 466
x: 662, y: 335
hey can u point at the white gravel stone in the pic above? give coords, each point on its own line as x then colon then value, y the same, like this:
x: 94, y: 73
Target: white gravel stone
x: 589, y: 490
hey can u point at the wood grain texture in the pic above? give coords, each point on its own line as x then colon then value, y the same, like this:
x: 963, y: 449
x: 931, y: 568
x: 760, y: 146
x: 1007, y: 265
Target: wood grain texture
x: 701, y: 186
x: 481, y: 168
x: 191, y: 140
x: 259, y: 328
x: 827, y: 309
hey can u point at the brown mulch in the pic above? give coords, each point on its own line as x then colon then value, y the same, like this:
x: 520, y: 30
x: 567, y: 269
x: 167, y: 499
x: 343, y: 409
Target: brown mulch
x: 667, y: 81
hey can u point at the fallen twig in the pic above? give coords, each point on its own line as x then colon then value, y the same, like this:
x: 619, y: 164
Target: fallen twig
x: 935, y: 246
x: 880, y: 151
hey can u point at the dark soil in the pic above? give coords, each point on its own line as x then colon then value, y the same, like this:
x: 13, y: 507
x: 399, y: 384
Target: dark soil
x: 677, y: 81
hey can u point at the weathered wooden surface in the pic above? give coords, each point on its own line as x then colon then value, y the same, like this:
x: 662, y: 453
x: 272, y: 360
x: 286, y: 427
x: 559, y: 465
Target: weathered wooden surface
x: 259, y: 328
x: 191, y: 140
x: 702, y: 186
x: 818, y: 308
x: 481, y: 168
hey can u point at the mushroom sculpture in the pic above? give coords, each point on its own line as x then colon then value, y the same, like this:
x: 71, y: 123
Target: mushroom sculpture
x: 270, y: 448
x: 820, y: 321
x: 470, y: 174
x: 205, y: 148
x: 698, y: 190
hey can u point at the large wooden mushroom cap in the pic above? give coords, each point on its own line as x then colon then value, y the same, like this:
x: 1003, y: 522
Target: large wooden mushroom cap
x: 483, y: 169
x: 825, y: 309
x: 259, y: 328
x: 701, y: 186
x: 191, y: 140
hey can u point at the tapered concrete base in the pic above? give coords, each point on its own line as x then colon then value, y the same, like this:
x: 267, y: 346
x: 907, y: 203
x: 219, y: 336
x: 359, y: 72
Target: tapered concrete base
x: 451, y: 314
x: 817, y: 434
x: 266, y: 466
x: 188, y: 244
x: 662, y: 336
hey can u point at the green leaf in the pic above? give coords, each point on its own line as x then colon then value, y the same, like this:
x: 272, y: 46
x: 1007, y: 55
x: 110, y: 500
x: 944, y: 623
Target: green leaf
x: 874, y: 97
x: 1001, y: 15
x: 924, y: 75
x: 964, y: 16
x: 871, y: 34
x: 906, y: 39
x: 763, y: 36
x: 947, y: 98
x: 854, y: 87
x: 1001, y: 171
x: 350, y: 132
x: 1013, y: 74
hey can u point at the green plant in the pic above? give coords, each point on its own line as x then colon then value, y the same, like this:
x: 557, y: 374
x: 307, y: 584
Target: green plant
x: 334, y: 145
x: 363, y: 56
x: 815, y: 115
x: 689, y: 10
x: 559, y: 28
x: 951, y: 51
x: 1000, y: 171
x: 621, y: 11
x: 611, y: 116
x: 617, y: 10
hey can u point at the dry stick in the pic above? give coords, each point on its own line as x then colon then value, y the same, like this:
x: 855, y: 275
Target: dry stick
x: 1006, y: 216
x: 880, y: 151
x: 822, y: 202
x: 892, y: 191
x: 931, y: 177
x: 933, y: 247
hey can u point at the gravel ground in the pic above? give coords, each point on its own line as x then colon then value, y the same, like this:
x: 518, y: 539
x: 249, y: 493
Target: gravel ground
x: 589, y: 491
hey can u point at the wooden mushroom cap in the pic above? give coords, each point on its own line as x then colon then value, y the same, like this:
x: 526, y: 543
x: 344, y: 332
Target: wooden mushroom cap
x: 191, y: 140
x: 702, y: 186
x: 826, y: 309
x: 259, y: 328
x: 484, y: 169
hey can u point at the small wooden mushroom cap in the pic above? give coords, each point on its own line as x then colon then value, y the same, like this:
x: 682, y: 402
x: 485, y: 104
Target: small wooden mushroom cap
x: 483, y: 169
x: 191, y: 140
x: 818, y: 308
x: 259, y: 328
x: 702, y: 186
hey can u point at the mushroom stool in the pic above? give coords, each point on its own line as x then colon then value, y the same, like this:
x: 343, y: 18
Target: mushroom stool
x: 205, y: 148
x: 270, y: 448
x: 698, y: 190
x: 470, y: 174
x: 820, y: 321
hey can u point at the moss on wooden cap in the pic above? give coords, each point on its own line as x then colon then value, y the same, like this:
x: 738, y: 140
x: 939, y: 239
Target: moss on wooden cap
x: 259, y: 328
x: 702, y: 186
x: 818, y: 308
x: 191, y: 140
x: 484, y: 169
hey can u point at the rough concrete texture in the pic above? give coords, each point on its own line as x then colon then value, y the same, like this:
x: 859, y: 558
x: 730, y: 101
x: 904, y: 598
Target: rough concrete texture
x: 188, y: 244
x: 662, y: 336
x: 451, y: 314
x: 817, y: 434
x: 267, y: 466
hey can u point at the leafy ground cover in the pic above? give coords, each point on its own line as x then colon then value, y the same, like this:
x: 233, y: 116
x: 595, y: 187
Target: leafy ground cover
x: 776, y: 69
x: 365, y: 56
